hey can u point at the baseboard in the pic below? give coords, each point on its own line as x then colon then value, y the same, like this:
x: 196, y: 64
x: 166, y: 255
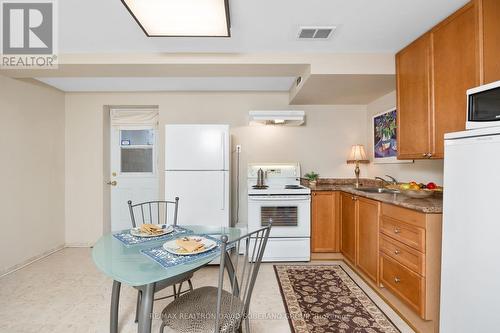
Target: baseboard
x: 78, y: 245
x: 30, y: 261
x: 326, y: 256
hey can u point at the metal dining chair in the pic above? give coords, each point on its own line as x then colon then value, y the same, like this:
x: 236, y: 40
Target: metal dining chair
x: 157, y: 212
x: 214, y: 309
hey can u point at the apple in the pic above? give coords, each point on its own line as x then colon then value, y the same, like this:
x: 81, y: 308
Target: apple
x: 431, y: 186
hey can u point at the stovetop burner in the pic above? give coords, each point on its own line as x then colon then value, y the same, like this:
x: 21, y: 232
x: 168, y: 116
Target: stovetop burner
x: 260, y: 187
x: 293, y: 187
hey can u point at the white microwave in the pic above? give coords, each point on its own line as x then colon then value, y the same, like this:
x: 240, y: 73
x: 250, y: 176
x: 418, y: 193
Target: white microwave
x: 483, y: 106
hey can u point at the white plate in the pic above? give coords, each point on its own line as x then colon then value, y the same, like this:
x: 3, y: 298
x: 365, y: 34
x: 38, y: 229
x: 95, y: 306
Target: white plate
x: 137, y: 231
x: 172, y: 247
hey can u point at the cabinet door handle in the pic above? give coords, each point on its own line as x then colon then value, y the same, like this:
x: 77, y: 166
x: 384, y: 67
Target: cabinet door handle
x: 397, y: 252
x: 397, y: 231
x: 429, y: 155
x: 397, y: 280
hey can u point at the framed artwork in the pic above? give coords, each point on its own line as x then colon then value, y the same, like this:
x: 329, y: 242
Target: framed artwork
x: 385, y: 141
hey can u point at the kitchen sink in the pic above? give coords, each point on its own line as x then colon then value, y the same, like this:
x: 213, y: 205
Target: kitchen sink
x: 376, y: 190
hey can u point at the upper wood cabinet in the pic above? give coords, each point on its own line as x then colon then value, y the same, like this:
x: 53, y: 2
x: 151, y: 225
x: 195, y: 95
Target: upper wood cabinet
x: 348, y: 226
x: 455, y: 68
x: 367, y: 242
x: 489, y: 27
x: 325, y: 228
x: 434, y: 72
x: 413, y: 82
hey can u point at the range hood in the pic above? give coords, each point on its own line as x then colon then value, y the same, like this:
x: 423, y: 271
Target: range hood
x: 282, y: 117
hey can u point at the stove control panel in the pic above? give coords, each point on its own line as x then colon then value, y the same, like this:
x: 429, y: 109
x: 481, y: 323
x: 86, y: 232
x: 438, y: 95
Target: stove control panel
x: 275, y: 170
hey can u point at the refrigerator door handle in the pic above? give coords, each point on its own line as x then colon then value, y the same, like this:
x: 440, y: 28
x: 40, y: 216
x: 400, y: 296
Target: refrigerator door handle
x: 223, y: 203
x: 223, y: 150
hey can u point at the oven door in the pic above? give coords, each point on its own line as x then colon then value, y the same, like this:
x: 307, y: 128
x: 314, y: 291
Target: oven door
x: 290, y: 214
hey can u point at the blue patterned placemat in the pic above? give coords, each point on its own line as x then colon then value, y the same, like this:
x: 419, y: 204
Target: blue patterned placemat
x: 167, y: 259
x: 128, y: 240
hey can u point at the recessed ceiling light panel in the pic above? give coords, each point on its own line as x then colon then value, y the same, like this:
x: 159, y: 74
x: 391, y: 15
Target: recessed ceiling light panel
x: 181, y: 18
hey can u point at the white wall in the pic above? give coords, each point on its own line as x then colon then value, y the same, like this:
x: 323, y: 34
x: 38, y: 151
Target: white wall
x: 322, y: 145
x: 32, y: 169
x: 421, y: 171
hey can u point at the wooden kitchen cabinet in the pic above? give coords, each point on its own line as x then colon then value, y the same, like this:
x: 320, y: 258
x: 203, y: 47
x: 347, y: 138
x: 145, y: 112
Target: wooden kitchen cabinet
x: 413, y: 85
x: 410, y: 258
x: 348, y: 226
x: 367, y: 237
x: 325, y: 228
x: 455, y: 69
x: 434, y: 72
x: 489, y: 28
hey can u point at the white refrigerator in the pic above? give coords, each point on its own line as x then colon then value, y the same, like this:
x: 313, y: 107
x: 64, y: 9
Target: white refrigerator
x: 470, y: 274
x: 197, y: 171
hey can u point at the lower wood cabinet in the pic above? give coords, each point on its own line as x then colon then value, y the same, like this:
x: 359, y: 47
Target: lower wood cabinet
x: 325, y: 228
x: 403, y: 282
x: 410, y: 258
x: 348, y: 226
x: 367, y: 237
x: 359, y: 233
x: 396, y: 248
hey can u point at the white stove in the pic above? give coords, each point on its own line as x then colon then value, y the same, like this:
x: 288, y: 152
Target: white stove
x: 288, y: 204
x: 279, y: 190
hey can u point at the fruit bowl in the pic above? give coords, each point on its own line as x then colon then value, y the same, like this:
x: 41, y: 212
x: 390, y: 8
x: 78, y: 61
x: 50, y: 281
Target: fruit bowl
x: 417, y: 194
x: 418, y: 191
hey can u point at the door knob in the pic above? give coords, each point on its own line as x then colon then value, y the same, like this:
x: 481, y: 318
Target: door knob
x: 397, y: 280
x: 112, y: 183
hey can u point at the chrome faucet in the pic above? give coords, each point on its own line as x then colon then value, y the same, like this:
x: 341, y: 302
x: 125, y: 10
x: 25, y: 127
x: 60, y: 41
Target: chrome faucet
x: 392, y: 182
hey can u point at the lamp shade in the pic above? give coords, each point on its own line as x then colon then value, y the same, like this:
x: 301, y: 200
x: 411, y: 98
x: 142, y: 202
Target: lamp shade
x: 181, y: 18
x: 358, y: 153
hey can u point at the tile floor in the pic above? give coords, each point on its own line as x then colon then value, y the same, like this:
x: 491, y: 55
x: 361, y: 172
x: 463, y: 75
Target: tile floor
x: 66, y: 293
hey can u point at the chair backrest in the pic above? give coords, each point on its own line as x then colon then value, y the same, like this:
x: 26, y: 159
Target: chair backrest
x: 153, y: 212
x: 243, y: 258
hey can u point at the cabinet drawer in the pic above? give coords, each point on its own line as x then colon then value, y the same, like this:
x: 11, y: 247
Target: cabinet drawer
x: 402, y: 214
x: 403, y: 232
x: 403, y: 254
x: 407, y: 285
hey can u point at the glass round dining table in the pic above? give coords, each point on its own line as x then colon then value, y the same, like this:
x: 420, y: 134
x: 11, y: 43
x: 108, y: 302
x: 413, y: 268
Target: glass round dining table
x: 126, y: 264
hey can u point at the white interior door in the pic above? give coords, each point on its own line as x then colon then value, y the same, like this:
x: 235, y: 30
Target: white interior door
x: 134, y: 170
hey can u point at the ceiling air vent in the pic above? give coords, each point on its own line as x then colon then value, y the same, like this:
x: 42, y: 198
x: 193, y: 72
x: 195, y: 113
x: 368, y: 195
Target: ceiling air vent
x: 315, y: 33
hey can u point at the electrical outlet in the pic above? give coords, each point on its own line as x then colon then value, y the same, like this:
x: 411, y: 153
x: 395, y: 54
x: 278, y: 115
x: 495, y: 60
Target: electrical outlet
x: 238, y: 148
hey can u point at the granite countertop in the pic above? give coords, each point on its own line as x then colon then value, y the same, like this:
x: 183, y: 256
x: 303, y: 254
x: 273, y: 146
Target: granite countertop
x: 432, y: 205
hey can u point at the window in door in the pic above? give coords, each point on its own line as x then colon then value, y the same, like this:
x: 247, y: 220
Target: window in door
x: 137, y: 150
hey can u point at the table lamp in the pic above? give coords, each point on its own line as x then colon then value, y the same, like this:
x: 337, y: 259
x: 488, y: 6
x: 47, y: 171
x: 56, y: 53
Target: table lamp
x: 357, y: 155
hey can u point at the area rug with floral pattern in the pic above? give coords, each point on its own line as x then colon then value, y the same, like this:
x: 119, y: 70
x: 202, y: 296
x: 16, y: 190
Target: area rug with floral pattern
x: 324, y: 298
